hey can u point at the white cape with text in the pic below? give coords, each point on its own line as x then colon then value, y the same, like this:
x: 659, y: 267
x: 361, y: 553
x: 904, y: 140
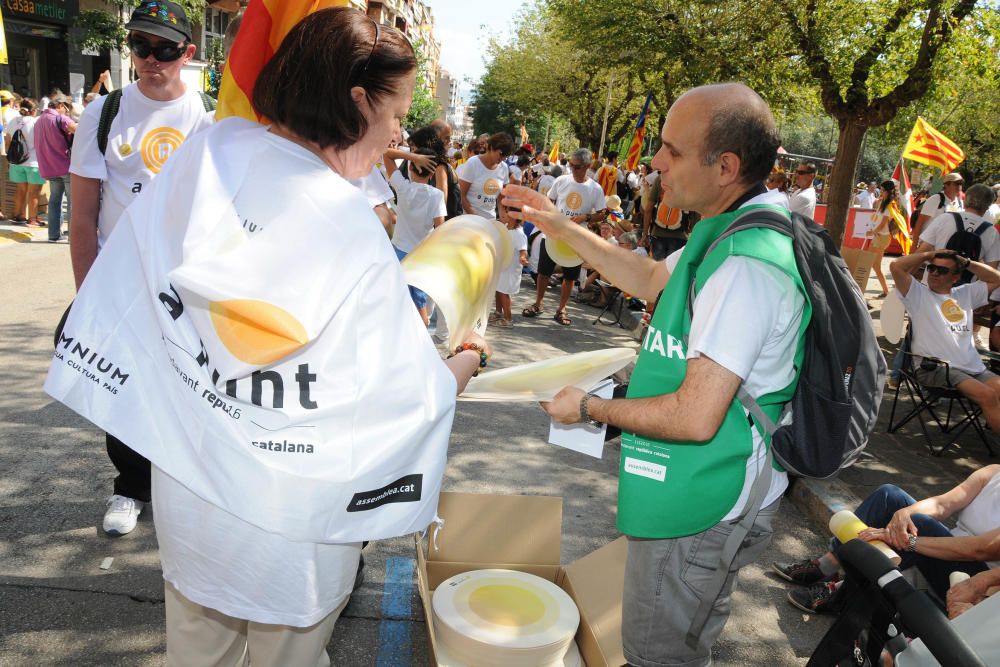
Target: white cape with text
x: 269, y: 360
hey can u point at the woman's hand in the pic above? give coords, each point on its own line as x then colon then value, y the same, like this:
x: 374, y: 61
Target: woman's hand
x: 537, y: 209
x: 422, y: 162
x: 565, y: 406
x: 475, y: 339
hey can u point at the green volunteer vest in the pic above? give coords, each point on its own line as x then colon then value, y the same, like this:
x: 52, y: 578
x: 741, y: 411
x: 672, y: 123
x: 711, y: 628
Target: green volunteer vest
x: 672, y: 488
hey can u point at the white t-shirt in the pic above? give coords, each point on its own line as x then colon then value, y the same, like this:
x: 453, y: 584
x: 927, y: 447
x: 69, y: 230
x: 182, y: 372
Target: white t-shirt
x: 804, y: 202
x: 510, y: 278
x: 142, y: 136
x: 27, y: 126
x: 940, y: 229
x: 535, y: 252
x: 981, y: 515
x: 374, y: 186
x: 992, y: 213
x: 417, y: 204
x: 937, y: 204
x: 210, y: 555
x: 762, y: 304
x: 9, y: 114
x: 574, y: 198
x: 545, y: 183
x: 865, y: 199
x: 485, y: 185
x: 515, y: 174
x: 942, y: 324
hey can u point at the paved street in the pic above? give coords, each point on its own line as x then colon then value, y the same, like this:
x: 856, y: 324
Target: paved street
x: 58, y: 608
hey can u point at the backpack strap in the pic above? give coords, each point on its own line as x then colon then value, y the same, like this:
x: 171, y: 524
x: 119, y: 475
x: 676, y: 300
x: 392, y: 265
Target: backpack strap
x: 981, y: 229
x: 959, y: 223
x: 108, y: 113
x: 207, y: 101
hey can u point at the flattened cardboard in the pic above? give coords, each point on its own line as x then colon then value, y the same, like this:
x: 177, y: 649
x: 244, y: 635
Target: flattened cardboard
x: 524, y: 533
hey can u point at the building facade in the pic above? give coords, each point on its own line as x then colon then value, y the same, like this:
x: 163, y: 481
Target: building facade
x: 39, y: 55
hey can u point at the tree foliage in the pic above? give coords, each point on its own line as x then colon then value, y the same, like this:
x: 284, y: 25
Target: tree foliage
x: 424, y: 108
x: 102, y: 30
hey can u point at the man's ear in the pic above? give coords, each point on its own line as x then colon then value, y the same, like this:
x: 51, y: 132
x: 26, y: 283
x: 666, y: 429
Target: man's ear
x: 729, y: 168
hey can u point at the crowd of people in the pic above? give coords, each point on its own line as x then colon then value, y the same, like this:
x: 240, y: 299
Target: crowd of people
x: 626, y: 227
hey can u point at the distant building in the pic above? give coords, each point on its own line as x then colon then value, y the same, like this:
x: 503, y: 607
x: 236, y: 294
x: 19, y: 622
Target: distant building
x: 415, y: 20
x: 447, y: 95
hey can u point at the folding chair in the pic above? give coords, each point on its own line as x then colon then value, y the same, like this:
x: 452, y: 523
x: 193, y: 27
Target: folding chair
x: 947, y: 407
x: 615, y: 304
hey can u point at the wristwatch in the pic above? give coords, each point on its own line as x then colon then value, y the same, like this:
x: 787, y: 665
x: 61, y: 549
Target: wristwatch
x: 911, y: 543
x: 584, y: 414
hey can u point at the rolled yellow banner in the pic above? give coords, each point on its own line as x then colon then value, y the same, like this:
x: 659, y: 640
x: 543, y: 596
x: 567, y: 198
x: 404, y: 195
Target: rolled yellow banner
x: 846, y: 526
x: 458, y: 265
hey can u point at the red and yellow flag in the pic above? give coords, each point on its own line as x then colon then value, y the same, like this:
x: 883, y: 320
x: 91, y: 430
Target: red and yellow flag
x: 635, y: 148
x: 265, y: 24
x: 928, y: 146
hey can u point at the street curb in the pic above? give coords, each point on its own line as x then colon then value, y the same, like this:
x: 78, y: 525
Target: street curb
x: 821, y: 499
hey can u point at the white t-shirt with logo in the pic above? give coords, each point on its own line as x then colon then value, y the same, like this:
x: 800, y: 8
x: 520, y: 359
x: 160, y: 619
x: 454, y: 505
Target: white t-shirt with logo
x: 941, y: 228
x: 942, y: 323
x: 417, y: 204
x: 485, y: 185
x: 574, y: 198
x: 27, y: 126
x: 142, y: 136
x: 545, y: 183
x: 937, y: 204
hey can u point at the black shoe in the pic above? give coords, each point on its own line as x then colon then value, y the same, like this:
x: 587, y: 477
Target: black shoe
x: 817, y: 599
x: 804, y: 572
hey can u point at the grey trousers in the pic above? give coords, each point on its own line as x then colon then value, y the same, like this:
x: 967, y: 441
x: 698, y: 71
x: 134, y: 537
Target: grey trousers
x: 663, y: 584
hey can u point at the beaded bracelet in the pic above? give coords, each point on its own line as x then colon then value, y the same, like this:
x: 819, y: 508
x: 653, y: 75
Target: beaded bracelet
x: 476, y: 348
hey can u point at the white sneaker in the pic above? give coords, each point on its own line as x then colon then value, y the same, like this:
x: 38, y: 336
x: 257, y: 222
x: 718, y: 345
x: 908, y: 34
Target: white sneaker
x: 121, y: 515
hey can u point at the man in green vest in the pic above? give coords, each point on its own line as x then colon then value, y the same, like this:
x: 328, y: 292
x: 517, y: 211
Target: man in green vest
x: 690, y: 452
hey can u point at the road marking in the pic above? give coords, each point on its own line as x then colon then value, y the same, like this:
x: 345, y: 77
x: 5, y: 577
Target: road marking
x: 395, y: 647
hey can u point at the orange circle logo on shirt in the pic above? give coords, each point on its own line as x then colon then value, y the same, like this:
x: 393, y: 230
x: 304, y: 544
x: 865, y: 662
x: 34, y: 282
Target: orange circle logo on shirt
x: 256, y: 332
x: 491, y: 187
x: 952, y: 311
x: 574, y: 200
x: 157, y: 146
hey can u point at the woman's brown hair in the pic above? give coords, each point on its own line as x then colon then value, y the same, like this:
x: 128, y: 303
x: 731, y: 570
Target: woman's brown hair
x: 306, y: 86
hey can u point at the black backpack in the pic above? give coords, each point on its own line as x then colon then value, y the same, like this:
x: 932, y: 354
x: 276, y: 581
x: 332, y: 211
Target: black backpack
x: 967, y: 244
x: 826, y: 424
x: 17, y: 152
x: 110, y: 110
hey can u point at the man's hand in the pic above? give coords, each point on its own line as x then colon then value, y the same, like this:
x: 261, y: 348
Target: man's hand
x: 901, y: 526
x: 538, y: 209
x: 565, y: 406
x: 963, y: 595
x: 871, y: 534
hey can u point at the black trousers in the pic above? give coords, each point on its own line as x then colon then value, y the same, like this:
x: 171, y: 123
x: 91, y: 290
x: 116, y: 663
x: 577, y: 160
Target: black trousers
x: 133, y: 470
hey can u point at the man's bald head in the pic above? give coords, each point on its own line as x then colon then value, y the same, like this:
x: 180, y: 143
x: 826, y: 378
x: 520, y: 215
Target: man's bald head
x: 737, y: 121
x: 443, y: 129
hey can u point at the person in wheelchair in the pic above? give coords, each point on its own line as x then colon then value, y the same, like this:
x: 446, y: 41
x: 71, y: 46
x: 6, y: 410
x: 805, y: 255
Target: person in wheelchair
x: 941, y: 320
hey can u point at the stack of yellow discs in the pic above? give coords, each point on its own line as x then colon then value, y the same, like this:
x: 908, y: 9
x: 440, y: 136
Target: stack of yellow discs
x: 498, y: 618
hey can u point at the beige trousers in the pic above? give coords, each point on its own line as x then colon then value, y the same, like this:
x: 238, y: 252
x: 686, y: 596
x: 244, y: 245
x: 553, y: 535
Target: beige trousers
x: 201, y: 637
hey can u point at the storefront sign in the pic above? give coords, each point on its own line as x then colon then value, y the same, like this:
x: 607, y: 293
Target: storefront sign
x: 63, y: 12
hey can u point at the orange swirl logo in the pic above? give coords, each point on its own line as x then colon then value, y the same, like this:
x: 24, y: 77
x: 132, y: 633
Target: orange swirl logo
x: 491, y: 187
x: 952, y: 311
x: 157, y: 146
x: 574, y: 200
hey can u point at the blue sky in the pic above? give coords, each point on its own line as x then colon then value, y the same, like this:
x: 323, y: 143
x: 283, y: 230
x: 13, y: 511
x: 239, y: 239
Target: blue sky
x: 459, y: 28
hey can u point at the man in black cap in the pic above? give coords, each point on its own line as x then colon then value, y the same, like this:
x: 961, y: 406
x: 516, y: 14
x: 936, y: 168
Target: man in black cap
x: 116, y: 153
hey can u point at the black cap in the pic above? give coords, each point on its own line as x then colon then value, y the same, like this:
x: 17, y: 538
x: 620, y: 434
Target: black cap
x: 161, y: 18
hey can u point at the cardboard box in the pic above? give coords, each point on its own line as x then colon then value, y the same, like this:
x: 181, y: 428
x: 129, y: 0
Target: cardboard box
x: 860, y: 262
x: 524, y: 533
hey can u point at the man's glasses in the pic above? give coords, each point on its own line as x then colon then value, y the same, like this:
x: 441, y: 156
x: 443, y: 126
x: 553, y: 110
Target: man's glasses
x: 165, y: 53
x: 939, y: 270
x: 804, y: 173
x: 577, y: 166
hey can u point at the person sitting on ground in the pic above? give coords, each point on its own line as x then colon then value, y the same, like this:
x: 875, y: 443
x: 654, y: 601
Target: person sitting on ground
x: 941, y: 324
x: 915, y: 530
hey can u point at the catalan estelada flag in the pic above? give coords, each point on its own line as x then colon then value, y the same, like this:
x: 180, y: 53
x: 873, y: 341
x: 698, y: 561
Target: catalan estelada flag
x: 635, y: 148
x: 265, y: 24
x: 902, y: 218
x: 928, y: 146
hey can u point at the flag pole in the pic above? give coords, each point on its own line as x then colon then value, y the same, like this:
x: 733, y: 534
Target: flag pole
x: 607, y: 112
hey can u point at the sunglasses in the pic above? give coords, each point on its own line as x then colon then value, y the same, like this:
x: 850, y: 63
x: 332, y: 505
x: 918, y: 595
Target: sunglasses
x: 165, y: 53
x: 939, y: 270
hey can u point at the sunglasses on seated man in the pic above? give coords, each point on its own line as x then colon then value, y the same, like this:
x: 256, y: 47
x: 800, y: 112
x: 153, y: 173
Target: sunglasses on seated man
x: 165, y: 52
x: 940, y: 270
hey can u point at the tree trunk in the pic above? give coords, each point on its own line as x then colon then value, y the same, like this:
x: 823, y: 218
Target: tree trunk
x: 840, y: 186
